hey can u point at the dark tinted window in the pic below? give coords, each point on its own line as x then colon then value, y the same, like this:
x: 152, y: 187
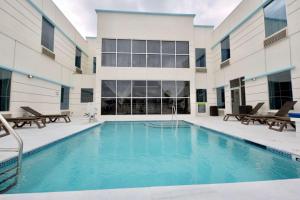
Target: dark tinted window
x: 182, y: 61
x: 221, y: 97
x: 108, y: 89
x: 94, y: 65
x: 225, y: 49
x: 139, y: 88
x: 154, y: 106
x: 124, y: 46
x: 47, y: 34
x: 138, y: 46
x: 182, y: 47
x: 154, y: 88
x: 153, y: 46
x: 167, y: 105
x: 109, y: 59
x: 183, y: 106
x: 275, y: 17
x: 183, y: 88
x: 124, y: 60
x: 200, y: 58
x: 201, y: 95
x: 168, y: 47
x: 108, y: 106
x: 139, y: 60
x: 87, y: 95
x: 5, y: 84
x: 154, y: 60
x: 168, y: 61
x: 123, y: 106
x: 78, y: 58
x: 280, y: 89
x: 168, y: 89
x: 124, y: 88
x: 64, y: 98
x: 139, y: 106
x: 109, y: 45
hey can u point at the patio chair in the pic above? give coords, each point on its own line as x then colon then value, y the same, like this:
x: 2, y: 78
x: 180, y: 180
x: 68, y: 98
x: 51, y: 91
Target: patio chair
x: 51, y: 118
x: 262, y: 119
x: 279, y: 123
x: 239, y: 117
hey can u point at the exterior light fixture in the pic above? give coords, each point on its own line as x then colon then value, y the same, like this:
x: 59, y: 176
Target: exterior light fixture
x: 29, y: 76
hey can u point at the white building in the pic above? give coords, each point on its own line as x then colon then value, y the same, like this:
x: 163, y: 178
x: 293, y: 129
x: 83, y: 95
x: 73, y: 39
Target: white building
x: 142, y: 64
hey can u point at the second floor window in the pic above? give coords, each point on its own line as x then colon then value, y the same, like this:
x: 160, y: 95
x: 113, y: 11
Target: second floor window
x: 275, y: 17
x: 47, y: 34
x: 78, y: 58
x: 145, y: 53
x: 200, y: 57
x: 225, y: 49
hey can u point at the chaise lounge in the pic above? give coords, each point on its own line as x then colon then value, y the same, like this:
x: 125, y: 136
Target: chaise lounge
x: 262, y: 119
x: 279, y: 123
x: 19, y: 122
x: 51, y: 118
x: 239, y: 117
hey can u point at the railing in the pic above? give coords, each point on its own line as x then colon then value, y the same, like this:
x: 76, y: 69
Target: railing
x: 174, y: 115
x: 9, y: 176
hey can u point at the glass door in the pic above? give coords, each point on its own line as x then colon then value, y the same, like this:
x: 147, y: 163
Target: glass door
x: 235, y: 100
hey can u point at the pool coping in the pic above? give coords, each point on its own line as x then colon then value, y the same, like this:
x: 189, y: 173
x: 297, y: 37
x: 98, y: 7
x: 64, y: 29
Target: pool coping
x: 274, y: 150
x: 277, y: 151
x: 13, y: 159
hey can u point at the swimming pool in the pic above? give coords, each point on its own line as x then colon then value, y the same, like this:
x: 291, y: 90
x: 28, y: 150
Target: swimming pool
x: 144, y: 154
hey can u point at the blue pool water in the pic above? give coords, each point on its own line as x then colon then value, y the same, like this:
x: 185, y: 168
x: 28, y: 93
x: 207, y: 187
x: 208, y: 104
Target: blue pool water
x: 142, y: 154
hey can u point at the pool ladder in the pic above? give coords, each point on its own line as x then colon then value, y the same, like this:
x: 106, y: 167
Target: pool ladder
x: 9, y: 176
x: 174, y: 115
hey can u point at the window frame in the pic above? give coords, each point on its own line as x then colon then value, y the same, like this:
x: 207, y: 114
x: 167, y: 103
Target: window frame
x: 85, y: 99
x: 45, y: 34
x: 267, y: 33
x: 225, y: 56
x: 78, y: 57
x: 204, y: 59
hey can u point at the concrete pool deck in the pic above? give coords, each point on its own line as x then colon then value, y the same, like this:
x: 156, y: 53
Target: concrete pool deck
x: 284, y: 189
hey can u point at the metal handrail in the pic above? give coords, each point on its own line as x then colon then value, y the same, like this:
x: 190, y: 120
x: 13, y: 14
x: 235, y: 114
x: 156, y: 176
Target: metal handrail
x: 19, y: 140
x: 174, y: 113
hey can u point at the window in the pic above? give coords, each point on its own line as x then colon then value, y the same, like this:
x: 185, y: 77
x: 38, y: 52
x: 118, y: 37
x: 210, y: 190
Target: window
x: 139, y: 53
x: 201, y: 95
x: 78, y: 58
x: 140, y: 97
x: 47, y: 34
x: 182, y: 55
x: 5, y: 83
x: 87, y: 95
x: 109, y: 53
x: 200, y: 57
x: 94, y: 65
x: 153, y: 53
x: 145, y: 53
x: 275, y: 17
x: 225, y: 49
x: 64, y: 98
x: 280, y: 89
x: 168, y: 54
x: 221, y: 97
x: 124, y: 53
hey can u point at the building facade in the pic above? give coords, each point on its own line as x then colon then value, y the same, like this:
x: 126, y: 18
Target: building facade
x: 148, y: 65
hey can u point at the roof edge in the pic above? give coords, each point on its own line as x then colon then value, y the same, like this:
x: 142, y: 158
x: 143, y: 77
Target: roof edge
x: 144, y: 12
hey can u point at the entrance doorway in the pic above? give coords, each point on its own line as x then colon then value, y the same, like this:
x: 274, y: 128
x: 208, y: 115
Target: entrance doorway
x: 238, y: 97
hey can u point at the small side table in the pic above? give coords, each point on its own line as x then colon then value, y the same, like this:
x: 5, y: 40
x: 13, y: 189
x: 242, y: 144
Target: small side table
x: 295, y: 117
